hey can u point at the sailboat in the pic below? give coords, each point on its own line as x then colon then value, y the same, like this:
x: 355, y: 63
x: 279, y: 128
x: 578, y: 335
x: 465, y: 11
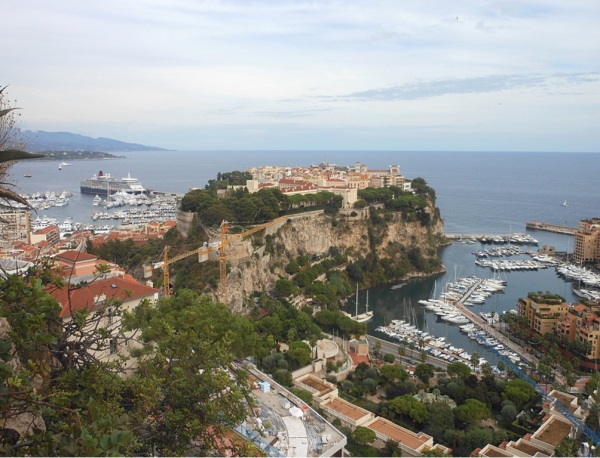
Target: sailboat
x: 565, y: 204
x: 431, y: 299
x: 363, y: 317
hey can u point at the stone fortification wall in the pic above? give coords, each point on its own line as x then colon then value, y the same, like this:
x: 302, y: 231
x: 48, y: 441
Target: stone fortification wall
x: 184, y: 222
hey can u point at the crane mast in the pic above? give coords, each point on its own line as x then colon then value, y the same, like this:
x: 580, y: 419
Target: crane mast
x: 225, y: 240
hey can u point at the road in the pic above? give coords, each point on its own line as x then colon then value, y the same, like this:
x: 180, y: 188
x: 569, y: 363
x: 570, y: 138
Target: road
x: 412, y: 357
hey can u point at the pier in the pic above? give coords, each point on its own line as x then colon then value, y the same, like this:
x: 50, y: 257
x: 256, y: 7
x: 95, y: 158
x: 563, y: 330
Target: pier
x: 557, y: 228
x: 490, y: 328
x: 474, y: 236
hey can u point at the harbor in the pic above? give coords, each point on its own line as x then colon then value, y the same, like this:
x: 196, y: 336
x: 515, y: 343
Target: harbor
x: 450, y: 307
x: 408, y: 302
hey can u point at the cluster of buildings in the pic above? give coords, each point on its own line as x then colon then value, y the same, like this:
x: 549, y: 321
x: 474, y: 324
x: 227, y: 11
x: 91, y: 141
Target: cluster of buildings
x: 21, y: 240
x: 554, y: 426
x: 573, y: 322
x: 327, y: 400
x: 543, y: 442
x: 342, y: 181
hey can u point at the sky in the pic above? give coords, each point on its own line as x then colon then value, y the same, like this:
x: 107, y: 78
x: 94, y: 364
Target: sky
x: 431, y: 75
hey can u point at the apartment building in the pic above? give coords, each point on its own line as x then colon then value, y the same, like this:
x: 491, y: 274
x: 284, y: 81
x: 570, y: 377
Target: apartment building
x: 542, y: 311
x: 16, y: 226
x: 387, y: 178
x: 49, y: 235
x: 104, y: 294
x: 586, y: 324
x: 587, y: 241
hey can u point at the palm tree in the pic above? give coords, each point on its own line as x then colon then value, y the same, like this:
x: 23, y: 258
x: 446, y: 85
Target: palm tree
x: 475, y: 360
x: 377, y: 348
x: 401, y: 350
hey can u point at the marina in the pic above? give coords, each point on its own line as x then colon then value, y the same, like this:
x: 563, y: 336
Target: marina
x: 133, y: 210
x: 429, y: 304
x: 451, y: 307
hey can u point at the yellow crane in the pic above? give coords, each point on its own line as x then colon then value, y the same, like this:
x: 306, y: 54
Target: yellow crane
x: 204, y: 251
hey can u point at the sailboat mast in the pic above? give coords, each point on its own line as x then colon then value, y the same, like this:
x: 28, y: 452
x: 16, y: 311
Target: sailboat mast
x: 367, y: 303
x: 356, y: 300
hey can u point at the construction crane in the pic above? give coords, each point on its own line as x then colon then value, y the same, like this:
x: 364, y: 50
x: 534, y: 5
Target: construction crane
x: 205, y: 250
x: 576, y: 422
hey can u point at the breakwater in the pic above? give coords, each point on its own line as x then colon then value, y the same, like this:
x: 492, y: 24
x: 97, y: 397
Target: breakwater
x: 557, y: 228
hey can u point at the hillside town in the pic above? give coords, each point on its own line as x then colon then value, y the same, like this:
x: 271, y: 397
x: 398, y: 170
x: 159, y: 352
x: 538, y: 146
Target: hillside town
x: 326, y: 407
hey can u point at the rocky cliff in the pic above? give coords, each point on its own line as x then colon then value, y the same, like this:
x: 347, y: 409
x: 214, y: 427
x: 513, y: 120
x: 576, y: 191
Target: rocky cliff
x: 253, y: 268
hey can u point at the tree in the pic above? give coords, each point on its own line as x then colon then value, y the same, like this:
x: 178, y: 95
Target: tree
x: 45, y: 382
x: 391, y: 372
x: 407, y: 405
x: 439, y: 419
x: 518, y: 391
x: 471, y: 412
x: 568, y: 447
x: 284, y: 287
x: 391, y: 448
x: 509, y: 412
x: 475, y: 359
x: 377, y: 347
x: 10, y: 149
x: 401, y: 350
x: 478, y: 437
x: 299, y: 354
x: 458, y: 369
x: 363, y: 436
x: 306, y: 396
x: 181, y: 390
x: 425, y: 372
x: 292, y: 267
x: 389, y: 358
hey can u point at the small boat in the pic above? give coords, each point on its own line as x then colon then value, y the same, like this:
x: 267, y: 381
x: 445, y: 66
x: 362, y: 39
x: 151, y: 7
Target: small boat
x: 96, y: 200
x: 59, y: 167
x: 27, y: 175
x: 565, y: 204
x: 64, y: 164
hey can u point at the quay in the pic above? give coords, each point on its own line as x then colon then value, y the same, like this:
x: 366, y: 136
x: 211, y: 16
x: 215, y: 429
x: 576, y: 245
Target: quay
x: 536, y: 225
x: 490, y: 328
x: 474, y: 236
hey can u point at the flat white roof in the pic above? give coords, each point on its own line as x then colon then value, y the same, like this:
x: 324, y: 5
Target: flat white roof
x: 297, y: 437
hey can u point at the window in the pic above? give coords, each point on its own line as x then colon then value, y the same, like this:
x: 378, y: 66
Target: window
x: 113, y: 346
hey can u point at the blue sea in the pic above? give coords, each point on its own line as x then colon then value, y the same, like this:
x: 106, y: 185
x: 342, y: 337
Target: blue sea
x: 477, y: 193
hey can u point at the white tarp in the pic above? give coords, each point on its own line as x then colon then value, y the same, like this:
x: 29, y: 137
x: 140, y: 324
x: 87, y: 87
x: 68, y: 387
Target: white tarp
x: 296, y: 412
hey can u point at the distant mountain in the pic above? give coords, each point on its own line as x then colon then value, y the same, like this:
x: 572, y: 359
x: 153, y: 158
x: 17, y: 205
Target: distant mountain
x: 40, y: 140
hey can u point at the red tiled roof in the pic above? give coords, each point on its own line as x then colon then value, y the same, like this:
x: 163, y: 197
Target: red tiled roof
x: 47, y: 229
x: 76, y: 256
x: 357, y: 359
x: 112, y: 288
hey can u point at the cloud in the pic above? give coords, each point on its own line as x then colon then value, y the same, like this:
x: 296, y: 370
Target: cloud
x: 292, y: 113
x: 485, y: 84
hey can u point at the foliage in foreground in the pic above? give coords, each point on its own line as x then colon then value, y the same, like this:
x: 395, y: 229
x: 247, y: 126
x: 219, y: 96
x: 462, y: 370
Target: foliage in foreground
x: 181, y: 393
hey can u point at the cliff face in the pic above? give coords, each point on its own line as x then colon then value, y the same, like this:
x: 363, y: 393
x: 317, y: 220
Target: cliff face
x: 254, y: 269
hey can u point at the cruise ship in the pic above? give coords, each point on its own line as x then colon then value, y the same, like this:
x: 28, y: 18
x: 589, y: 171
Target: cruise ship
x: 103, y: 184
